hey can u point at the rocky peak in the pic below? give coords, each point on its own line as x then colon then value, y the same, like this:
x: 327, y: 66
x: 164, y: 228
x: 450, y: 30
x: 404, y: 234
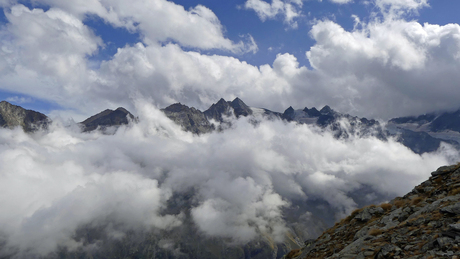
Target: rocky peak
x: 106, y: 119
x: 190, y: 119
x: 289, y: 113
x: 12, y: 116
x: 218, y: 110
x: 240, y: 108
x: 425, y: 223
x: 326, y: 110
x: 313, y: 112
x: 176, y: 107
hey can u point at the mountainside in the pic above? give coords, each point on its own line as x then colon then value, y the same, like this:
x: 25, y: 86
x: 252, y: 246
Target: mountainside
x: 425, y: 223
x: 12, y: 116
x: 433, y: 127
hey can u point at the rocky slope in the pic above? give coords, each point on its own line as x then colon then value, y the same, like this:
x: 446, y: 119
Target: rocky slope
x: 425, y: 223
x: 13, y: 116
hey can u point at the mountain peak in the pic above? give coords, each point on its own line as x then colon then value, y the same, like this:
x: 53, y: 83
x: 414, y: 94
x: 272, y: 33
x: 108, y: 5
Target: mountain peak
x: 107, y: 118
x: 218, y: 109
x: 240, y: 108
x: 326, y: 110
x: 289, y: 113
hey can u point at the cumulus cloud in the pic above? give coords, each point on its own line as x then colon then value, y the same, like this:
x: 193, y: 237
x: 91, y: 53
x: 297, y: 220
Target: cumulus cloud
x: 398, y: 7
x: 44, y: 54
x: 288, y: 9
x: 341, y: 1
x: 19, y: 99
x: 399, y: 60
x: 160, y: 21
x: 241, y: 180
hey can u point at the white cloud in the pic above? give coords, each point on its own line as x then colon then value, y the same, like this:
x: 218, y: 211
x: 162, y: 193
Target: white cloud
x: 400, y: 61
x: 44, y: 54
x: 289, y: 9
x: 400, y: 7
x: 341, y: 1
x: 160, y: 21
x: 19, y: 99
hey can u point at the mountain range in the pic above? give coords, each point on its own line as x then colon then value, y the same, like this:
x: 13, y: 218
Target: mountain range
x: 421, y: 134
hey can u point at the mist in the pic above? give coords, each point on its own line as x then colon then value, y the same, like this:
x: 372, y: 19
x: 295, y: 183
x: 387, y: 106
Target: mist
x: 53, y: 182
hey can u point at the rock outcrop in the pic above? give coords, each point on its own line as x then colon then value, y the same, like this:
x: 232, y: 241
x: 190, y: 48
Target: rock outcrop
x: 425, y: 223
x: 190, y: 119
x: 107, y: 118
x: 13, y: 116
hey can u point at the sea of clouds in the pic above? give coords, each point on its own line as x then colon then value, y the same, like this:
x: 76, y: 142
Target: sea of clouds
x: 53, y: 182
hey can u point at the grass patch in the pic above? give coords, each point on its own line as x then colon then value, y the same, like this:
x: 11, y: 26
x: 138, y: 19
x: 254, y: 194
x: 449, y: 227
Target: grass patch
x: 416, y: 201
x: 386, y: 206
x: 400, y: 203
x: 375, y: 232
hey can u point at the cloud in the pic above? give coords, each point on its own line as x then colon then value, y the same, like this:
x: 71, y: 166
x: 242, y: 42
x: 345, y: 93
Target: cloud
x: 341, y: 1
x: 240, y: 180
x: 397, y: 8
x: 288, y: 9
x: 160, y: 21
x: 44, y: 54
x: 401, y: 61
x: 19, y: 100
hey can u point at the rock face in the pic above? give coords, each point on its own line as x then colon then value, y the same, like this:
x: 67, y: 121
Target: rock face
x: 218, y: 110
x: 197, y: 122
x: 107, y: 119
x: 424, y: 223
x: 12, y: 116
x: 190, y: 119
x: 428, y: 129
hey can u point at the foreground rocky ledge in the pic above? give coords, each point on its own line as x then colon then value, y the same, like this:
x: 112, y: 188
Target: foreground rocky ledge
x: 425, y: 223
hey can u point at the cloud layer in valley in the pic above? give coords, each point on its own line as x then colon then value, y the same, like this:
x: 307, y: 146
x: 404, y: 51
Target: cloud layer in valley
x: 54, y: 182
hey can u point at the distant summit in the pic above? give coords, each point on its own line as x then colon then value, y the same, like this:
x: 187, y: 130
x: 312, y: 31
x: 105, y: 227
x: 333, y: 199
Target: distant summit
x: 13, y: 116
x: 190, y: 119
x: 106, y: 119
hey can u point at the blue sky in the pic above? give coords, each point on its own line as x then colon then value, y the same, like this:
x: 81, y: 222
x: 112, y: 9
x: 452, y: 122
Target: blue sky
x: 257, y: 48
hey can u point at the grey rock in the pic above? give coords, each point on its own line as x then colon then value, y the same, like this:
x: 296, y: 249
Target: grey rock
x: 361, y: 233
x: 455, y: 227
x: 443, y: 241
x: 190, y: 119
x: 444, y: 170
x: 15, y: 116
x: 219, y: 110
x: 452, y: 209
x: 386, y: 250
x: 107, y: 118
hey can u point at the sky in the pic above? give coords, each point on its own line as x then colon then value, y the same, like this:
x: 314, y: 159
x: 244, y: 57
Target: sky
x: 379, y: 59
x: 72, y: 59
